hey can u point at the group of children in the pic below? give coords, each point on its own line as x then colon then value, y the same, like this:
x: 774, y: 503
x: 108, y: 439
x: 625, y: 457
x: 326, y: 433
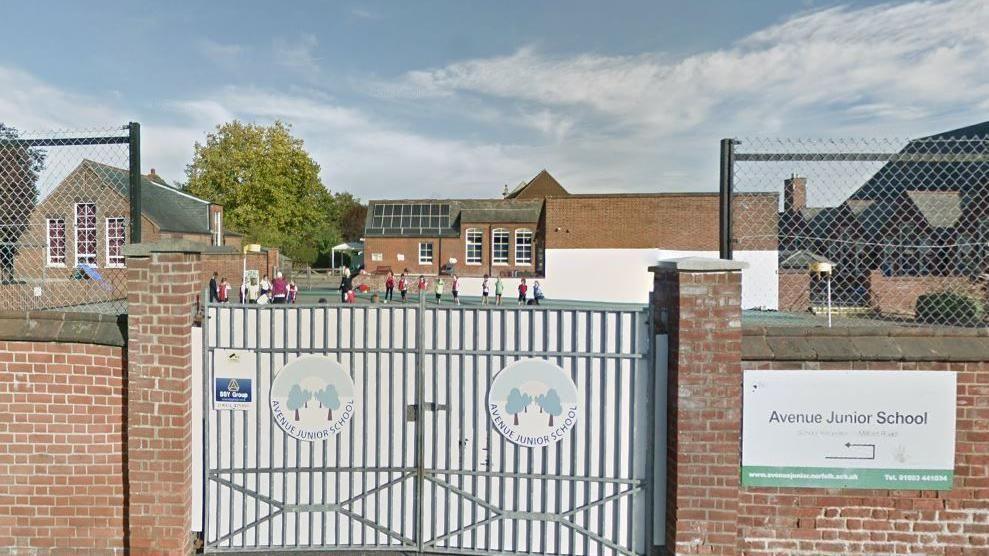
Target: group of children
x: 422, y: 285
x: 267, y: 291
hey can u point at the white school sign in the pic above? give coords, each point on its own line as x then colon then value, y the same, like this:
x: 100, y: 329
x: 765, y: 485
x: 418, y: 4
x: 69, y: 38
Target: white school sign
x: 849, y: 429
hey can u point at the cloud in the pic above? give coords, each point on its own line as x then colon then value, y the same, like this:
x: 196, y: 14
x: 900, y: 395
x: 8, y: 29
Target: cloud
x: 363, y: 13
x: 220, y: 53
x: 598, y: 122
x: 32, y: 104
x: 298, y: 54
x: 925, y: 56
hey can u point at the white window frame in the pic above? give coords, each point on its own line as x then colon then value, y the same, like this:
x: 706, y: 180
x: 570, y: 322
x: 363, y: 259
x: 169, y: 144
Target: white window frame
x: 96, y: 240
x: 48, y: 243
x: 123, y: 228
x: 423, y: 260
x: 377, y: 257
x: 478, y: 242
x: 496, y: 233
x: 523, y: 261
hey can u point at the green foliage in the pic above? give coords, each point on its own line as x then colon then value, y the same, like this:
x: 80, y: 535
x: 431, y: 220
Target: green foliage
x: 949, y: 308
x: 269, y: 187
x: 19, y: 169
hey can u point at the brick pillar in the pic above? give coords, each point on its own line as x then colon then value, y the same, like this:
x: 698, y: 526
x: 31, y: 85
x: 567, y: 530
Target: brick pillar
x: 698, y: 305
x: 162, y: 282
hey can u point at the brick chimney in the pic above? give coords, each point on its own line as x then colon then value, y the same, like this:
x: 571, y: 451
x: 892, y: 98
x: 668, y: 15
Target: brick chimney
x: 794, y: 193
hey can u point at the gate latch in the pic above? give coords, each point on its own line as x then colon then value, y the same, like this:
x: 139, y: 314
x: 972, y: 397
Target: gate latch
x: 412, y: 410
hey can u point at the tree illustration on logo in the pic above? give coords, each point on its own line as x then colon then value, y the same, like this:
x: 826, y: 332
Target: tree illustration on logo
x: 296, y: 399
x: 526, y: 402
x: 514, y: 404
x: 330, y: 398
x: 551, y: 404
x: 306, y: 396
x: 539, y: 401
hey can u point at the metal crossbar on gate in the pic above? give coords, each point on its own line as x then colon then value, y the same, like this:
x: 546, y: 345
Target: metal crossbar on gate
x: 420, y: 468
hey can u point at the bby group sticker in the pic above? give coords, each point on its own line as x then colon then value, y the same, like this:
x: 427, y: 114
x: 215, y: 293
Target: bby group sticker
x: 312, y: 398
x: 533, y: 403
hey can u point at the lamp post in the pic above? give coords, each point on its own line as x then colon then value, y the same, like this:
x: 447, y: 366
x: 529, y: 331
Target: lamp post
x: 824, y: 268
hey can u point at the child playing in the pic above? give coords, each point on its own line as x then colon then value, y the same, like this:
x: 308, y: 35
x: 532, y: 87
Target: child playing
x: 293, y: 291
x: 223, y: 291
x: 389, y: 286
x: 439, y: 290
x: 422, y: 284
x: 455, y: 290
x: 499, y: 290
x: 523, y: 289
x: 484, y: 290
x: 403, y: 286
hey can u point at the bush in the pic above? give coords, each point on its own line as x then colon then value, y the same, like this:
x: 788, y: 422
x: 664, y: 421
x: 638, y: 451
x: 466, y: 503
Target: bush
x: 949, y: 308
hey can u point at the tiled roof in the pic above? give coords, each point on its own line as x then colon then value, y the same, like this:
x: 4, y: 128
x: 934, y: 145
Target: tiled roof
x: 172, y: 210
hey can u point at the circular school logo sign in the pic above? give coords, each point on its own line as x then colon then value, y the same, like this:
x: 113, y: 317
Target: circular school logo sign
x: 312, y: 398
x: 533, y: 403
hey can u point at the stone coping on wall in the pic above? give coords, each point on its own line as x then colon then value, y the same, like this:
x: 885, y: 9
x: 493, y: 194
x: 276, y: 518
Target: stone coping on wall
x: 68, y: 327
x: 864, y: 344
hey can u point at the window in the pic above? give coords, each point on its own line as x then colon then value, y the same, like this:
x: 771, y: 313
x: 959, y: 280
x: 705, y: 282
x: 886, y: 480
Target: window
x: 86, y: 234
x: 475, y: 246
x: 115, y: 242
x: 56, y: 242
x: 377, y: 257
x: 523, y: 247
x: 425, y: 253
x: 499, y: 246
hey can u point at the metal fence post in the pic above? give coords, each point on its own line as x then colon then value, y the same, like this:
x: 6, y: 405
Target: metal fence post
x: 420, y: 453
x: 727, y: 182
x: 135, y: 181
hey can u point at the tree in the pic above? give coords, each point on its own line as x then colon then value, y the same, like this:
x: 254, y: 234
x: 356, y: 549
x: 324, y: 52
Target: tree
x: 307, y: 396
x: 269, y: 187
x: 526, y: 402
x: 296, y: 399
x: 514, y: 404
x: 330, y: 398
x: 539, y: 401
x: 19, y: 170
x: 551, y: 404
x: 352, y: 216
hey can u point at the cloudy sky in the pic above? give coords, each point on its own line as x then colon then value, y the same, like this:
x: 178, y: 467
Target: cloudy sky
x: 418, y: 99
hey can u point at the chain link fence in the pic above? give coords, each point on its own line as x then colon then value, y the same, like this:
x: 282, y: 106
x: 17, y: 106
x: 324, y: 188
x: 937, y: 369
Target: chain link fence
x: 65, y: 218
x: 871, y: 230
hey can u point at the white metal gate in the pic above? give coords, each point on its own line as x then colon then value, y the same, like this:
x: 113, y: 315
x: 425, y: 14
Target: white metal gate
x: 421, y: 468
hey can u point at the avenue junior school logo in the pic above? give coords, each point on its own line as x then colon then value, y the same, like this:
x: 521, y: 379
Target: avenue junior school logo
x: 312, y: 398
x: 533, y: 403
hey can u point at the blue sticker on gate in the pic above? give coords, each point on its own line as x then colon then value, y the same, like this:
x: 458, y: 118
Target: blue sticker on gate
x: 232, y: 393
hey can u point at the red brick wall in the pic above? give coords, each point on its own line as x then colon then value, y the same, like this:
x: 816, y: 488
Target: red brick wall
x: 701, y: 313
x: 159, y: 405
x: 444, y: 249
x: 61, y: 447
x: 794, y: 290
x: 898, y: 294
x: 821, y: 521
x: 675, y: 221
